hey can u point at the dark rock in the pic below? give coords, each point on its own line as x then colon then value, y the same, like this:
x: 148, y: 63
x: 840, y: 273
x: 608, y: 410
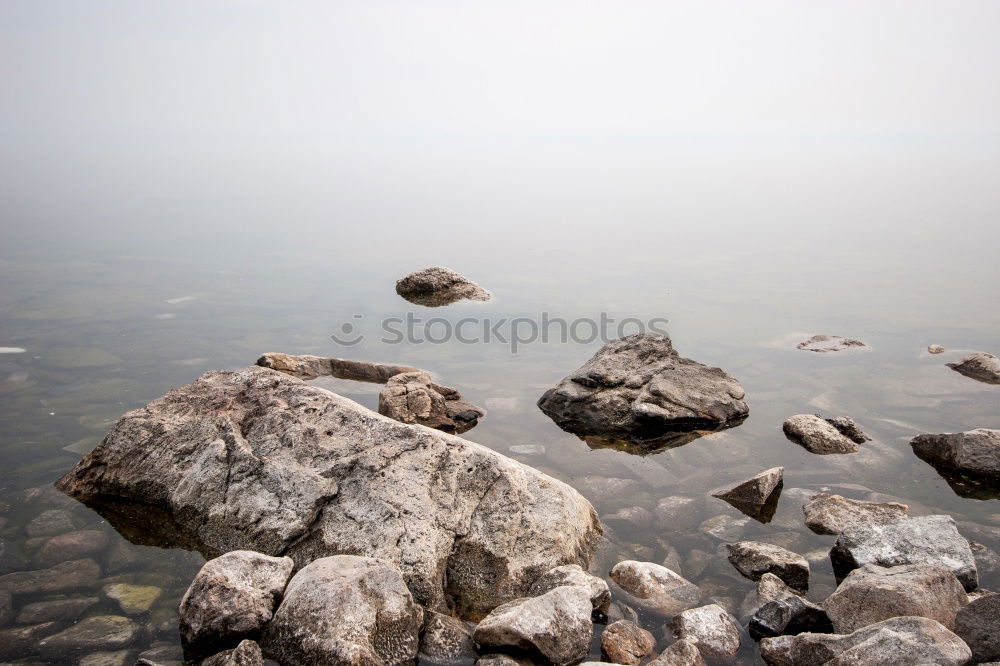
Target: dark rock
x: 774, y: 609
x: 654, y: 588
x: 573, y: 574
x: 753, y: 559
x: 974, y: 452
x: 832, y: 514
x: 437, y: 286
x: 413, y: 397
x: 112, y: 658
x: 55, y: 610
x: 70, y: 546
x: 7, y: 608
x: 980, y: 366
x: 11, y: 557
x: 758, y: 496
x: 710, y: 628
x: 824, y: 436
x: 247, y: 653
x: 18, y: 642
x: 624, y: 642
x: 162, y: 655
x: 73, y: 575
x: 681, y: 653
x: 829, y: 343
x: 445, y: 641
x: 978, y: 624
x: 97, y: 632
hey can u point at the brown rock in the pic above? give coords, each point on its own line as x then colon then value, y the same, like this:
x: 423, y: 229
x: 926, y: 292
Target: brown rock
x: 623, y: 642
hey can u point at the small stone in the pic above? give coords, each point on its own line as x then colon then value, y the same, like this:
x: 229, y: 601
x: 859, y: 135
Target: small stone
x: 824, y: 436
x: 70, y: 546
x: 656, y: 589
x: 978, y: 624
x: 624, y: 642
x: 753, y: 559
x: 829, y: 343
x: 620, y: 611
x: 935, y: 349
x: 832, y: 514
x: 97, y: 632
x: 974, y: 452
x: 247, y: 653
x: 527, y: 450
x: 757, y: 496
x: 51, y: 523
x: 681, y: 653
x: 979, y: 366
x: 777, y: 651
x: 65, y: 576
x: 437, y: 286
x: 55, y: 610
x: 573, y: 574
x: 710, y: 628
x: 133, y: 599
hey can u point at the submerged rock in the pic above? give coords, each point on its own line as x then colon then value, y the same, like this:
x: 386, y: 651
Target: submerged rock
x: 978, y: 624
x: 445, y: 641
x: 133, y: 599
x: 774, y: 609
x: 753, y: 559
x: 72, y: 575
x: 55, y: 610
x: 412, y: 397
x: 97, y: 632
x: 70, y: 546
x: 18, y: 641
x: 345, y: 610
x: 259, y: 460
x: 824, y: 436
x: 573, y: 574
x: 437, y: 286
x: 638, y: 388
x: 829, y: 343
x: 655, y: 588
x: 832, y: 514
x: 758, y: 496
x: 922, y: 540
x: 681, y: 653
x: 311, y: 367
x: 710, y: 628
x: 980, y: 366
x: 624, y: 642
x: 974, y: 452
x: 247, y: 653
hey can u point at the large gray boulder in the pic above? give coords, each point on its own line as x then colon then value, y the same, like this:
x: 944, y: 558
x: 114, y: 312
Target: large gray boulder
x: 345, y: 610
x: 638, y: 388
x: 824, y: 436
x: 259, y: 460
x: 921, y: 540
x: 413, y: 397
x: 980, y: 366
x: 974, y: 452
x: 832, y: 514
x: 978, y: 624
x: 873, y: 593
x: 437, y: 286
x: 654, y: 588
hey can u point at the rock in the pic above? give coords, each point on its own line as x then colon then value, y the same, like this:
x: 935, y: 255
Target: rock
x: 555, y: 626
x: 6, y: 608
x: 133, y: 599
x: 257, y: 459
x: 987, y: 559
x: 829, y: 343
x: 774, y: 609
x: 345, y: 609
x: 169, y: 654
x: 873, y: 593
x: 232, y: 598
x: 97, y: 632
x: 412, y: 397
x: 55, y: 610
x: 978, y: 624
x: 630, y: 519
x: 311, y: 367
x: 445, y: 641
x: 656, y: 589
x: 573, y: 574
x: 777, y: 651
x: 921, y: 540
x: 247, y: 653
x: 51, y: 523
x: 681, y: 653
x: 973, y: 452
x: 901, y: 640
x: 17, y: 642
x: 527, y: 450
x: 65, y: 576
x: 639, y: 389
x: 676, y: 513
x: 832, y: 514
x: 757, y: 496
x: 980, y: 366
x: 824, y: 436
x: 753, y: 559
x: 935, y: 349
x: 11, y: 557
x: 710, y: 628
x: 437, y: 286
x: 624, y: 642
x: 116, y: 658
x: 620, y: 611
x: 70, y: 546
x: 724, y: 528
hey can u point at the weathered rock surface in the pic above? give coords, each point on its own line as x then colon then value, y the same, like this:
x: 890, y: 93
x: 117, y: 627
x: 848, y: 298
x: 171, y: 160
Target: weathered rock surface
x: 97, y: 632
x: 624, y: 642
x: 978, y: 624
x: 754, y: 558
x: 310, y: 367
x: 777, y: 651
x: 232, y: 598
x: 901, y: 640
x: 832, y: 514
x: 655, y: 588
x: 51, y: 523
x: 980, y: 366
x: 247, y: 653
x: 445, y: 641
x: 345, y: 609
x: 413, y: 397
x: 70, y: 546
x: 638, y: 388
x: 573, y: 574
x: 921, y: 540
x: 935, y: 349
x: 974, y: 452
x: 710, y: 628
x: 829, y: 343
x: 437, y: 286
x: 757, y: 496
x: 824, y: 436
x: 774, y: 609
x: 681, y: 653
x: 873, y: 593
x: 555, y: 626
x: 259, y: 460
x: 72, y: 575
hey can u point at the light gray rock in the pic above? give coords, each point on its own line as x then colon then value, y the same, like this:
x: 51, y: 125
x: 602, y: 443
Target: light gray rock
x: 921, y: 540
x: 777, y: 651
x: 974, y: 452
x: 680, y: 653
x: 162, y: 654
x: 829, y: 343
x: 413, y: 397
x: 55, y: 610
x: 259, y: 460
x: 555, y: 626
x: 573, y: 574
x: 231, y: 598
x: 345, y: 609
x: 935, y: 349
x: 97, y: 632
x: 873, y: 593
x: 625, y: 642
x: 757, y: 496
x: 710, y: 628
x: 73, y: 575
x: 304, y: 366
x: 754, y: 558
x: 638, y: 388
x: 774, y: 609
x: 978, y: 624
x: 824, y: 436
x: 445, y: 641
x: 676, y: 513
x: 247, y: 653
x: 437, y: 286
x: 980, y: 366
x: 832, y: 514
x: 654, y: 588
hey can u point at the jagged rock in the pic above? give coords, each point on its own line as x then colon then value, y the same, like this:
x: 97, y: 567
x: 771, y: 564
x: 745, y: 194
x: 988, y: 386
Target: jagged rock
x: 413, y: 397
x: 638, y: 388
x: 757, y: 496
x: 624, y: 642
x: 70, y: 546
x: 345, y: 609
x: 921, y: 540
x: 710, y: 628
x: 654, y: 588
x: 753, y: 559
x: 55, y: 610
x: 824, y: 436
x: 18, y: 641
x: 829, y: 343
x: 437, y: 286
x: 573, y: 574
x: 901, y: 640
x: 935, y: 349
x: 832, y: 514
x: 310, y: 367
x: 231, y: 598
x: 774, y: 609
x: 978, y: 624
x: 980, y: 366
x: 72, y: 575
x: 257, y: 459
x: 247, y: 653
x: 555, y: 626
x: 681, y: 653
x: 97, y: 632
x: 873, y: 593
x: 445, y: 641
x: 974, y: 452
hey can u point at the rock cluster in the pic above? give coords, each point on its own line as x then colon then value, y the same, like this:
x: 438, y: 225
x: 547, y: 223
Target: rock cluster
x: 437, y: 286
x: 413, y: 397
x: 824, y: 436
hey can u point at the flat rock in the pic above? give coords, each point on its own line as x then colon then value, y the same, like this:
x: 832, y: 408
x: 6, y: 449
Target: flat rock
x: 757, y: 496
x: 555, y: 626
x: 921, y: 540
x: 680, y: 653
x: 873, y: 593
x: 72, y: 575
x: 980, y: 366
x: 305, y: 366
x: 573, y: 574
x: 260, y: 460
x: 70, y: 546
x: 16, y: 642
x: 437, y: 286
x: 7, y: 608
x: 832, y: 514
x: 247, y: 653
x: 55, y: 610
x: 754, y: 558
x: 824, y: 436
x: 133, y: 599
x: 973, y: 452
x: 445, y: 641
x: 655, y: 588
x: 638, y: 388
x: 676, y: 513
x: 629, y: 519
x: 710, y: 628
x: 97, y: 632
x: 774, y: 609
x: 829, y: 343
x: 413, y: 397
x: 345, y: 609
x: 978, y: 624
x: 51, y: 523
x: 625, y: 642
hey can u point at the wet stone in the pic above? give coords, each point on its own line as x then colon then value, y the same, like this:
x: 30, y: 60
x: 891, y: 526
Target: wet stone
x: 710, y: 628
x: 133, y: 599
x: 69, y: 546
x: 655, y: 588
x: 753, y: 559
x: 725, y: 528
x: 437, y: 286
x: 980, y: 366
x: 624, y: 642
x: 55, y: 610
x: 73, y: 575
x: 829, y: 343
x: 20, y: 641
x: 757, y: 496
x: 97, y: 632
x: 974, y: 452
x: 6, y: 608
x: 774, y: 609
x: 52, y: 522
x: 680, y: 653
x: 832, y: 514
x: 247, y: 653
x: 824, y: 436
x: 115, y: 658
x: 676, y: 513
x: 628, y: 520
